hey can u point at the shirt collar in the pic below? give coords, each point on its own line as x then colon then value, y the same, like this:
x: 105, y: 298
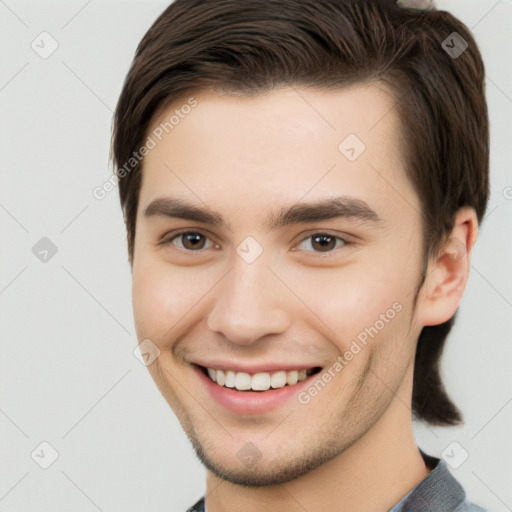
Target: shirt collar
x: 437, y: 491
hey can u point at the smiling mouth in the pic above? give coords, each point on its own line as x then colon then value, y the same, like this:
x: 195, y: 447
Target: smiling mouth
x: 261, y: 381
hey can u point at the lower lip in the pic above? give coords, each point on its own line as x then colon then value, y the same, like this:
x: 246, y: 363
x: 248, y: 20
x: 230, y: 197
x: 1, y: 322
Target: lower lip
x: 251, y: 402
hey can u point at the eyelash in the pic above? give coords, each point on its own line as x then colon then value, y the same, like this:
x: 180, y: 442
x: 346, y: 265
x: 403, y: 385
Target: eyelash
x: 168, y: 241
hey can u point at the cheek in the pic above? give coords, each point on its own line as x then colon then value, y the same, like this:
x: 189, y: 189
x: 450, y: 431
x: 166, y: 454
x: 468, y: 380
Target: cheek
x: 161, y: 298
x: 360, y: 311
x: 346, y: 301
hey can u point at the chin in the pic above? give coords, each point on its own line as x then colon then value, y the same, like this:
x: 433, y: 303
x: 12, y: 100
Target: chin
x: 259, y: 471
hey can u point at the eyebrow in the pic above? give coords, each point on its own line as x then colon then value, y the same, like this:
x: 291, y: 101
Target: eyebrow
x: 326, y: 209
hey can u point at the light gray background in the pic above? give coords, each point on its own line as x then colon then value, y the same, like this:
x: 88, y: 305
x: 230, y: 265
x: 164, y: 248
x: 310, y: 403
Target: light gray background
x: 67, y: 372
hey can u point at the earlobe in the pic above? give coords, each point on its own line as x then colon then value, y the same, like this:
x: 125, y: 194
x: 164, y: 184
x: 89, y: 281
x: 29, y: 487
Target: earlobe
x: 447, y: 276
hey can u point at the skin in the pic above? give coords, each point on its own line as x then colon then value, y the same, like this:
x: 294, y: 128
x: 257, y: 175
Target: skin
x: 351, y: 447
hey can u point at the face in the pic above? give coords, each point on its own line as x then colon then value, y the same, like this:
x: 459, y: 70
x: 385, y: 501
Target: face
x: 300, y: 250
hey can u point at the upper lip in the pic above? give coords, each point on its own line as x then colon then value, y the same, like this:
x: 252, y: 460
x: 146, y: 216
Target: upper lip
x: 254, y: 368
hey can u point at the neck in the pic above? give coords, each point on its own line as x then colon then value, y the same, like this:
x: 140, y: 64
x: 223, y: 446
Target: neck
x: 375, y: 473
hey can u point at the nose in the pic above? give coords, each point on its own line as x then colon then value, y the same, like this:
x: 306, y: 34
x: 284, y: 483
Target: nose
x: 251, y: 303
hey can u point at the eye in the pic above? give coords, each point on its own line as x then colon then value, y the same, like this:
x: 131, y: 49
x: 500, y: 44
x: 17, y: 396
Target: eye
x: 324, y: 242
x: 194, y: 241
x: 191, y: 241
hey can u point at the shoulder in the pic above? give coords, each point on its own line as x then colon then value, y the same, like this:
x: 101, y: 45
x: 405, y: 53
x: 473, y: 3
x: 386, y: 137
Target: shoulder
x: 467, y: 506
x: 439, y: 491
x: 199, y: 506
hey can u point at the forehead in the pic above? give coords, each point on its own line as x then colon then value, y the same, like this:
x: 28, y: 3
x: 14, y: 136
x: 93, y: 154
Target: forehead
x: 283, y: 144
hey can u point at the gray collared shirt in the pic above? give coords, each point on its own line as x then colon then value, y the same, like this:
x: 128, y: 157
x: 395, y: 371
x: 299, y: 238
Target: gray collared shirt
x: 439, y: 491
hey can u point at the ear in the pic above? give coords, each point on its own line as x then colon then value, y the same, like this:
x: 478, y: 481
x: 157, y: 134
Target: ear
x: 447, y: 275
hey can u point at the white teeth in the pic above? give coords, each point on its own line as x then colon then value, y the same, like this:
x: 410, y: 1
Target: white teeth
x: 292, y: 377
x: 230, y: 379
x: 278, y: 379
x: 221, y: 377
x: 262, y: 381
x: 243, y: 381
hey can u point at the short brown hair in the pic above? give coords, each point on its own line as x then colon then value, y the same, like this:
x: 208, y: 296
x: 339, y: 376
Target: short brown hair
x: 252, y: 46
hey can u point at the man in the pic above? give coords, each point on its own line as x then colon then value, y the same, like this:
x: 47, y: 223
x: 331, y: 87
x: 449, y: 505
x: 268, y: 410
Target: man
x: 302, y: 184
